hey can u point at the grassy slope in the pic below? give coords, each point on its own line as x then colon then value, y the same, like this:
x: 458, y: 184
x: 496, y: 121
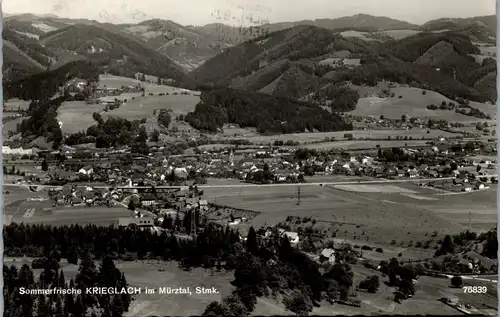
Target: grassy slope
x: 413, y: 103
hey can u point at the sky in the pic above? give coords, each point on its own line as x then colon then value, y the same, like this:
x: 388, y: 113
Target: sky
x: 248, y: 12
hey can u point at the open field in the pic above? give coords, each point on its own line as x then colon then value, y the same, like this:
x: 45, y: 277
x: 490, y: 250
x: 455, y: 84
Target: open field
x: 76, y: 116
x: 354, y: 145
x: 155, y: 274
x: 14, y: 104
x: 402, y: 212
x: 339, y: 135
x: 18, y: 209
x: 11, y: 126
x: 143, y: 107
x: 400, y: 34
x: 112, y: 81
x: 413, y: 103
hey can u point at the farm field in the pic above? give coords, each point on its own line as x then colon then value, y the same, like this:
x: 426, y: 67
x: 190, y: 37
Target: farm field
x: 11, y: 126
x: 339, y: 135
x: 155, y: 274
x: 384, y: 212
x: 112, y: 81
x: 353, y: 145
x: 143, y: 107
x: 14, y: 104
x: 18, y: 210
x: 413, y: 103
x: 76, y: 116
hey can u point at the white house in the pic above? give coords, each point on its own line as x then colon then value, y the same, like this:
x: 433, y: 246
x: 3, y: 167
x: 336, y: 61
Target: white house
x: 328, y: 254
x: 86, y: 170
x: 16, y: 151
x: 293, y: 237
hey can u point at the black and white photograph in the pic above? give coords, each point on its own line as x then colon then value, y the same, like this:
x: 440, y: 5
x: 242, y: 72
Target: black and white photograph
x: 244, y: 158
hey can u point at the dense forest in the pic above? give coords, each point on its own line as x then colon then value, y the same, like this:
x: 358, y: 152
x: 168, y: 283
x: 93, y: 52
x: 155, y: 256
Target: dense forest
x: 44, y: 85
x: 341, y: 97
x: 42, y: 121
x: 268, y: 114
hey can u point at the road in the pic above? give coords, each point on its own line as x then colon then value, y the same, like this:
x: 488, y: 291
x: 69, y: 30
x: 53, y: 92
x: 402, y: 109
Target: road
x: 382, y: 181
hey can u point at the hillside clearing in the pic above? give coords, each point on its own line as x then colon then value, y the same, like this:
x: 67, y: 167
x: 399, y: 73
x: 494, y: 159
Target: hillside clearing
x: 401, y: 34
x: 143, y: 107
x: 414, y: 104
x: 112, y: 81
x: 14, y: 104
x: 76, y: 116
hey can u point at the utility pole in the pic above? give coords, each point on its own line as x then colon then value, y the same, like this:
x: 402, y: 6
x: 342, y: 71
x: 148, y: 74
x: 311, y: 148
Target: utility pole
x: 298, y: 195
x: 470, y: 221
x: 193, y: 223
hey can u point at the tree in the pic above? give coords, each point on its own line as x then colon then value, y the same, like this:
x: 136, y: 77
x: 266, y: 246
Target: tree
x: 235, y: 305
x: 456, y: 281
x: 371, y: 284
x: 45, y: 165
x: 72, y: 254
x: 109, y: 275
x: 155, y: 136
x: 251, y: 242
x: 98, y: 118
x: 131, y: 205
x: 382, y: 117
x: 216, y: 309
x: 478, y: 168
x: 298, y: 303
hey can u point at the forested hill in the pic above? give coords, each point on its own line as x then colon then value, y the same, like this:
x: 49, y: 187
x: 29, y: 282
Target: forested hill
x: 44, y: 85
x: 269, y: 114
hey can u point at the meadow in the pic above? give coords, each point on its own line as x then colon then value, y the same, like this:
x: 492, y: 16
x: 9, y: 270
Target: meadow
x: 374, y: 213
x: 76, y: 116
x: 310, y: 137
x: 14, y: 104
x: 362, y: 144
x: 11, y: 126
x: 414, y: 104
x: 143, y: 107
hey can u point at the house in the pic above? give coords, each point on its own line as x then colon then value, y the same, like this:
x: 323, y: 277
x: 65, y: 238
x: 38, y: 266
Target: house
x: 479, y: 186
x: 293, y: 237
x: 86, y: 170
x: 139, y: 222
x: 401, y: 173
x: 467, y: 188
x: 148, y: 200
x: 327, y: 255
x: 413, y: 173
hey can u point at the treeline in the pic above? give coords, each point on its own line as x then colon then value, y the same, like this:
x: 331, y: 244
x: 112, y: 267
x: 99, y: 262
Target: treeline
x: 268, y: 114
x: 42, y: 121
x: 213, y: 247
x: 52, y: 277
x: 340, y: 97
x: 44, y: 85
